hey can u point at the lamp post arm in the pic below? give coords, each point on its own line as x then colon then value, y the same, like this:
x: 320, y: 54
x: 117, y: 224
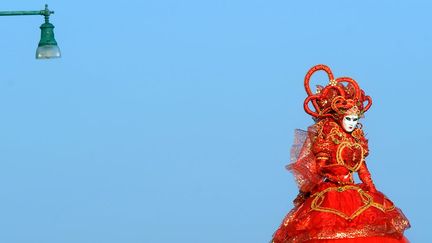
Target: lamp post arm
x: 46, y: 12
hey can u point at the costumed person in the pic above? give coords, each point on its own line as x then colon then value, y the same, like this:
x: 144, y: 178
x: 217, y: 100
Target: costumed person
x: 330, y: 206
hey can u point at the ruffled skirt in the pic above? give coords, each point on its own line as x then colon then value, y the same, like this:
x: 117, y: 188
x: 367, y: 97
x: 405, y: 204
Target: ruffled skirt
x: 340, y: 214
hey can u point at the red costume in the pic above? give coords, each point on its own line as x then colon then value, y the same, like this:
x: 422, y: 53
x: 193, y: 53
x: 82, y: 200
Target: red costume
x: 331, y: 207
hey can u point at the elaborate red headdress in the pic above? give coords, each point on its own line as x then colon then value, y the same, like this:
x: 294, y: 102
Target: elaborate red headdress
x: 335, y: 99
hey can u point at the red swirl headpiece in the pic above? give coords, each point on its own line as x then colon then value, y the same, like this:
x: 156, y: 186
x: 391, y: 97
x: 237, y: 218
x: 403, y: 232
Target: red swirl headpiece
x: 335, y: 99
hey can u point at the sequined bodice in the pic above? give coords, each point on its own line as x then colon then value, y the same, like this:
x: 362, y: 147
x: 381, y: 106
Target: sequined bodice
x: 348, y: 151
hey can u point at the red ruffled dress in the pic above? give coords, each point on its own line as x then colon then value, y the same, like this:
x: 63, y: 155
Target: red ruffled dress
x: 330, y: 206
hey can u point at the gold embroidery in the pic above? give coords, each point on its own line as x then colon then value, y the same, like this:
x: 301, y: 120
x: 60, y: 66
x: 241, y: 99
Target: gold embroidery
x: 319, y: 129
x: 365, y: 197
x: 340, y: 159
x: 319, y: 198
x: 357, y: 134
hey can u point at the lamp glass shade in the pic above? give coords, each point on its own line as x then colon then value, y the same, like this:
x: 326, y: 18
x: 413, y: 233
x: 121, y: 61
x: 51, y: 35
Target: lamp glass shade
x: 47, y: 52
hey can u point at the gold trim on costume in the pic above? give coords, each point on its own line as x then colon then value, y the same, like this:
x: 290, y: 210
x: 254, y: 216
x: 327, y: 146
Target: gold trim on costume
x: 340, y: 159
x: 366, y: 198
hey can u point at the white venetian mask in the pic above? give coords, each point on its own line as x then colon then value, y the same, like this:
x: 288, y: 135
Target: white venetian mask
x: 349, y: 122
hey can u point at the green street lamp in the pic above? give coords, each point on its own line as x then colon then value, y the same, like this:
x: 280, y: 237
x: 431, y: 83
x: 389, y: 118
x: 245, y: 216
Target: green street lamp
x: 47, y: 47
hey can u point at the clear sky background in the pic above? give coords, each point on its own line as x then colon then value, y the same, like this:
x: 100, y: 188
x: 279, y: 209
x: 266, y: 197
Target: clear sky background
x: 172, y: 121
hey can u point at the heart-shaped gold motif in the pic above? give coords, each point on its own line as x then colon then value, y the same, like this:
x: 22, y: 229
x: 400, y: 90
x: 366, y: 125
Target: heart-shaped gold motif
x: 355, y: 152
x: 366, y: 199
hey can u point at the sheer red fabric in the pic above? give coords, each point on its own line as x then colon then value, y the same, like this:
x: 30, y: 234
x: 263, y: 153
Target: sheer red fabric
x: 303, y: 164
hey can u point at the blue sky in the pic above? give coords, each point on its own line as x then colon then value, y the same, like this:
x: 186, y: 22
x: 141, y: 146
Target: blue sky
x: 172, y: 120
